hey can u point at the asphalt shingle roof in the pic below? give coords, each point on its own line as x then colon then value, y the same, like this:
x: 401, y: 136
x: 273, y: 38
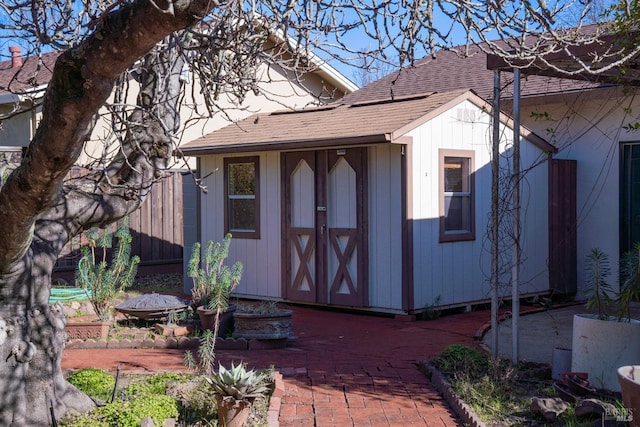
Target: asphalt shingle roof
x: 448, y: 70
x: 357, y: 122
x: 32, y: 74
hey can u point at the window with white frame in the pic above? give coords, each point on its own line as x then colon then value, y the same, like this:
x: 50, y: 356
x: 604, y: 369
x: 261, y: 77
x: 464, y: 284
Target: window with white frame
x: 456, y: 194
x: 242, y: 201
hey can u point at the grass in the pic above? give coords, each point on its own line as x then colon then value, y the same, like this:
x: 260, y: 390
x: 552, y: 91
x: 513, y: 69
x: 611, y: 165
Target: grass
x: 500, y: 393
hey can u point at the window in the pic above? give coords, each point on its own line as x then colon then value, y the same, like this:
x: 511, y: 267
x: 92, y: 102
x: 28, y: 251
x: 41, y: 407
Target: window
x: 457, y: 205
x: 242, y: 201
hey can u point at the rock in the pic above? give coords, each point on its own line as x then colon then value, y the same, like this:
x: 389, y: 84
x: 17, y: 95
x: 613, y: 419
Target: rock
x: 147, y: 422
x: 169, y: 422
x: 594, y: 407
x: 549, y: 408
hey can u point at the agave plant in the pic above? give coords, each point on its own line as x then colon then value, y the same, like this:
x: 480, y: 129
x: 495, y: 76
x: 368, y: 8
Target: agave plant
x: 238, y: 383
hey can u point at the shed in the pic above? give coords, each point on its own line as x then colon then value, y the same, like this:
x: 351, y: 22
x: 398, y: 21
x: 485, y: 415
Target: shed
x: 379, y: 205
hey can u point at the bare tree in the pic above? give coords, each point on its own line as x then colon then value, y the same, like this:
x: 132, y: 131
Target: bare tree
x: 149, y: 45
x: 371, y: 69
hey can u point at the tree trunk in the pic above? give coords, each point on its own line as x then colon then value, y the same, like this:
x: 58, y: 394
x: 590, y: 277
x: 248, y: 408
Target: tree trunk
x: 40, y: 215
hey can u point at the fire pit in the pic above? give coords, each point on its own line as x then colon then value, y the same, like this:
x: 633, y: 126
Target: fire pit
x: 152, y: 306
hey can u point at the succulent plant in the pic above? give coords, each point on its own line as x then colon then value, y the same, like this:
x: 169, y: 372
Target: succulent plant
x: 104, y: 280
x: 214, y: 281
x: 238, y: 383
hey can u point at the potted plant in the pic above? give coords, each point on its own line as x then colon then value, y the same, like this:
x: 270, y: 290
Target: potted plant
x: 175, y: 326
x: 265, y: 321
x: 629, y: 378
x: 236, y: 389
x: 608, y: 338
x: 101, y: 280
x: 213, y: 282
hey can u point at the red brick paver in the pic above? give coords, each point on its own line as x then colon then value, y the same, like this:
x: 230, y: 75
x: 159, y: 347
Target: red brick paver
x: 343, y: 369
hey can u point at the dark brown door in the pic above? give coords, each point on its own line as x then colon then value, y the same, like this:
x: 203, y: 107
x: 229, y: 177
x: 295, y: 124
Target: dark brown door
x: 563, y: 270
x: 324, y: 226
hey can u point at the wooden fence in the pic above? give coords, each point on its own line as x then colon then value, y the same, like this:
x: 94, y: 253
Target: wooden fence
x: 156, y: 229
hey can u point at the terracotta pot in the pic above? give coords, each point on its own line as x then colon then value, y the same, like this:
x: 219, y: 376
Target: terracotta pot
x: 271, y: 326
x: 232, y: 413
x: 207, y: 319
x: 87, y: 330
x: 629, y: 377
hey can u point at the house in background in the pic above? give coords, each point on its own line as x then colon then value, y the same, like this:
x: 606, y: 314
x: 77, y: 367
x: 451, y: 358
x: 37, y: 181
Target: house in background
x: 370, y: 202
x: 592, y: 123
x: 158, y: 226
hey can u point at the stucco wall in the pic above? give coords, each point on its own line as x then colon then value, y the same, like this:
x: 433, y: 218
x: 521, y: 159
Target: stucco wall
x: 589, y: 128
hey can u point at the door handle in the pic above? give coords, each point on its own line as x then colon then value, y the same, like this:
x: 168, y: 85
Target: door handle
x: 323, y: 228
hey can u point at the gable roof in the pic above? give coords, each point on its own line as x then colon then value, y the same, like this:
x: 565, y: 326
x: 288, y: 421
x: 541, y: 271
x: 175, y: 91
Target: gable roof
x: 32, y: 76
x: 356, y: 123
x: 450, y: 70
x: 35, y: 74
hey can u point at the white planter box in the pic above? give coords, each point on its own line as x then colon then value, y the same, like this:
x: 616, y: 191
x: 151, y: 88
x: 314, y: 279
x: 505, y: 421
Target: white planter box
x: 600, y: 347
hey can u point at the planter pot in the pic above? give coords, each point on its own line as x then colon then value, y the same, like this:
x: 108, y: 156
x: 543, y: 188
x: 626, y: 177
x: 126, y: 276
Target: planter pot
x: 269, y: 326
x: 560, y: 362
x: 207, y: 318
x: 600, y: 347
x: 629, y: 378
x: 173, y: 330
x: 232, y: 413
x: 87, y: 330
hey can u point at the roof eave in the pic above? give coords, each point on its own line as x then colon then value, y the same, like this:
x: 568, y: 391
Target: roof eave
x: 286, y: 145
x: 30, y: 95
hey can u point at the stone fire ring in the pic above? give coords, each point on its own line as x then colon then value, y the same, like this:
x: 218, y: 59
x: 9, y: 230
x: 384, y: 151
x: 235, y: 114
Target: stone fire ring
x: 152, y: 306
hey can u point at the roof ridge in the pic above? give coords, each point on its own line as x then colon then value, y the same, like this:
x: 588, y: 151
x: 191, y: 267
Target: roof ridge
x: 325, y: 107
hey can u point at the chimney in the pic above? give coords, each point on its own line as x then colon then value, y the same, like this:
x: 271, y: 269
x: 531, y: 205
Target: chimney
x: 16, y: 59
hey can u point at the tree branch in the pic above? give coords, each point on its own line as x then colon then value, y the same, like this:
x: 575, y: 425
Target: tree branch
x: 82, y: 80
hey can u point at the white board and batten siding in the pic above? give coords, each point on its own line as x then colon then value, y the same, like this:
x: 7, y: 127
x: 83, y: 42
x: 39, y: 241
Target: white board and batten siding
x: 456, y: 273
x: 385, y: 227
x: 261, y: 257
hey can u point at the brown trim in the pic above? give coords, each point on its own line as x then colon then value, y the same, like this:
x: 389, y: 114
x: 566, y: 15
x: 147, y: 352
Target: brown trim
x: 364, y: 227
x: 587, y: 52
x: 286, y: 145
x: 357, y: 237
x: 456, y: 237
x: 406, y: 191
x: 285, y: 219
x: 525, y: 132
x: 291, y: 235
x: 255, y: 234
x: 197, y: 174
x: 563, y: 262
x: 322, y: 228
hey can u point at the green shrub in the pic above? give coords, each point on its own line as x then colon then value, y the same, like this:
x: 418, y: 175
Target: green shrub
x: 154, y: 384
x: 458, y: 358
x: 129, y: 413
x: 105, y: 280
x: 94, y: 382
x: 143, y: 398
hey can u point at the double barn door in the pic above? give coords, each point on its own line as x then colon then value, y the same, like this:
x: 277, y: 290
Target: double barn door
x: 324, y: 226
